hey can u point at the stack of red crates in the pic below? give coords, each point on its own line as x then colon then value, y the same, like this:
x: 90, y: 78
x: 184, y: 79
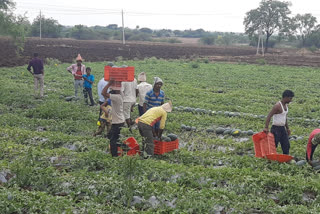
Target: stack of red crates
x: 161, y: 147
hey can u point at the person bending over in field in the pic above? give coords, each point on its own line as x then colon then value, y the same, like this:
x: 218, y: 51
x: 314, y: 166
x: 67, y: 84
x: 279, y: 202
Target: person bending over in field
x: 313, y: 141
x: 117, y: 115
x: 154, y: 98
x: 143, y: 88
x: 105, y: 118
x: 280, y: 128
x: 77, y: 70
x: 87, y: 87
x: 146, y: 122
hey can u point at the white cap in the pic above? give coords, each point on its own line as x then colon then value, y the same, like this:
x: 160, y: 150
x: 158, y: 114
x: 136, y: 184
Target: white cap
x: 167, y: 106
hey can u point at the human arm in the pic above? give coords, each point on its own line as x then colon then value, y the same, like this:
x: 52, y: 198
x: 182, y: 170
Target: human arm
x: 42, y: 69
x: 287, y: 127
x: 105, y: 89
x: 29, y: 67
x: 274, y: 110
x: 103, y: 107
x: 70, y: 69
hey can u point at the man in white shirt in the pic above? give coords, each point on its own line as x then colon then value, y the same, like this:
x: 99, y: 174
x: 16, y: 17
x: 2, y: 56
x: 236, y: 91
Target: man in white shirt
x: 129, y: 92
x: 117, y: 116
x: 143, y: 88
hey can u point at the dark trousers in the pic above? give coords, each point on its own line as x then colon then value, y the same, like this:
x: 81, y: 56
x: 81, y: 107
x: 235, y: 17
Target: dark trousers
x: 140, y: 108
x: 281, y: 135
x: 113, y: 136
x: 86, y: 92
x: 147, y: 143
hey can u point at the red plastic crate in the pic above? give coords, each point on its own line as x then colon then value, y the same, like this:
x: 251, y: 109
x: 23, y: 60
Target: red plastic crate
x: 132, y: 144
x: 119, y: 74
x: 161, y: 147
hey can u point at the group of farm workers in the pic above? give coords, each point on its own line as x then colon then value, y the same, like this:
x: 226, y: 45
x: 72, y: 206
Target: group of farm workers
x: 117, y: 102
x: 152, y: 109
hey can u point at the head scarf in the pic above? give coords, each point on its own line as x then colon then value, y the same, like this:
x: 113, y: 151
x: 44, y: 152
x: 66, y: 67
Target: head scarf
x: 142, y: 77
x: 157, y: 80
x: 167, y: 106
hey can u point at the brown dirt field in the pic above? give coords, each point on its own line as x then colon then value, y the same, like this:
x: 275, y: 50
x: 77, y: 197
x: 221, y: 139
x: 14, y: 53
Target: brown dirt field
x: 66, y: 50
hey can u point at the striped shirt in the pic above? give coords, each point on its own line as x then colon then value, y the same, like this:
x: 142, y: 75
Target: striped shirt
x: 152, y: 100
x: 153, y: 115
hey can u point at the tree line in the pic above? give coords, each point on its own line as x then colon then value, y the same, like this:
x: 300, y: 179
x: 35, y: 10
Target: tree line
x: 272, y: 19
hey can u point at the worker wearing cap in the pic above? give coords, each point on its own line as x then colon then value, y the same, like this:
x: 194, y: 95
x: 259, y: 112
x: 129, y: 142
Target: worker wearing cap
x: 146, y: 122
x: 77, y: 70
x: 314, y: 140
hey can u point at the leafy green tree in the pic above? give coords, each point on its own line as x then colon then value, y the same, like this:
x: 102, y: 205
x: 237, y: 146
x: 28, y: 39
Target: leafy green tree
x: 303, y: 26
x: 271, y: 16
x: 12, y: 25
x: 50, y: 28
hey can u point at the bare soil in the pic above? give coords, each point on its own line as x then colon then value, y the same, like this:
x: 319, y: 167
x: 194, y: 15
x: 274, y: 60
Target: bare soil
x: 66, y: 50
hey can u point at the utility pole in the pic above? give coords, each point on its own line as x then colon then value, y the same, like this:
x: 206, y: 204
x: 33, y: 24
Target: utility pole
x: 40, y: 24
x: 123, y: 38
x: 260, y: 39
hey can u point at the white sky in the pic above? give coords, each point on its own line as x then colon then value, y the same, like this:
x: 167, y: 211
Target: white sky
x: 210, y: 15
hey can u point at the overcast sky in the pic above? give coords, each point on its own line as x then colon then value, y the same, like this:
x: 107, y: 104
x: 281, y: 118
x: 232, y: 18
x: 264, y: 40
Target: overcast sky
x: 210, y: 15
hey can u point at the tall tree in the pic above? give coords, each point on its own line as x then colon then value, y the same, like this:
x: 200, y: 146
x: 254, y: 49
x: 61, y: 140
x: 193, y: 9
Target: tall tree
x: 271, y: 16
x: 303, y: 26
x: 50, y: 28
x: 12, y: 25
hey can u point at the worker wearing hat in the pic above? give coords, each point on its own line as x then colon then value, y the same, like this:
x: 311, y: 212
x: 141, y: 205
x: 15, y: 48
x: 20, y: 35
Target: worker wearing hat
x: 146, y: 122
x: 77, y: 70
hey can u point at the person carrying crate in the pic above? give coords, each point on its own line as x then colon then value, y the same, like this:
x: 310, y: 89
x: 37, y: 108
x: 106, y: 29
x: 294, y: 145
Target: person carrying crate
x: 117, y: 115
x: 146, y: 122
x: 280, y: 128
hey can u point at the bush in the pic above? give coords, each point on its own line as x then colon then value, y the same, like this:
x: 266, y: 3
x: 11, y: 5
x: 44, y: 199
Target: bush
x: 208, y: 40
x: 261, y: 61
x: 195, y: 65
x: 52, y: 62
x: 313, y: 48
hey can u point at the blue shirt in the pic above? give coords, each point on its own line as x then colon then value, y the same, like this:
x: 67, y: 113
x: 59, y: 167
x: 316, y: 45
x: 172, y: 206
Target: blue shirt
x: 86, y: 83
x: 152, y: 100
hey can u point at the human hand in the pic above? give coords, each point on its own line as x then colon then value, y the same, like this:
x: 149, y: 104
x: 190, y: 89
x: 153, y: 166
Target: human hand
x: 289, y: 132
x: 266, y: 130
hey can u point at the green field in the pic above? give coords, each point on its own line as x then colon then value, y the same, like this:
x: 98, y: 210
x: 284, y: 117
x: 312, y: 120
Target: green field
x: 52, y: 164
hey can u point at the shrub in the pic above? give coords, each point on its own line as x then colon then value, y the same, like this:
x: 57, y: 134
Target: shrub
x: 52, y: 61
x: 208, y: 40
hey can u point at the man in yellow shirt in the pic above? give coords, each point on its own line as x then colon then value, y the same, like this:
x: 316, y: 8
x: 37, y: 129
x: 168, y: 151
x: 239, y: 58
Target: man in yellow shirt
x: 146, y: 122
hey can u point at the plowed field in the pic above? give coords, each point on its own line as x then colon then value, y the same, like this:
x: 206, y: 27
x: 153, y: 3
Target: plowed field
x: 66, y: 50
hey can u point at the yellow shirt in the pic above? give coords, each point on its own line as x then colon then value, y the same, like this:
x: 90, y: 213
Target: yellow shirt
x: 154, y: 115
x: 105, y: 116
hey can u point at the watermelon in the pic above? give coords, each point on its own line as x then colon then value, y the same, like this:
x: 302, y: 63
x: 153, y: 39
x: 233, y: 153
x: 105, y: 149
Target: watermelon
x: 188, y: 128
x: 250, y: 132
x: 210, y: 130
x: 227, y: 131
x: 166, y: 139
x: 193, y: 128
x: 236, y: 132
x: 220, y: 130
x: 183, y: 126
x: 301, y: 162
x: 316, y: 167
x: 173, y: 137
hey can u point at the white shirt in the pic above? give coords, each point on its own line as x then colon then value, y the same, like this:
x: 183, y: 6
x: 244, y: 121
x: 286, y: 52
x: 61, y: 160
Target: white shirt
x: 143, y: 88
x: 128, y: 90
x: 280, y: 119
x: 117, y: 108
x: 101, y: 84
